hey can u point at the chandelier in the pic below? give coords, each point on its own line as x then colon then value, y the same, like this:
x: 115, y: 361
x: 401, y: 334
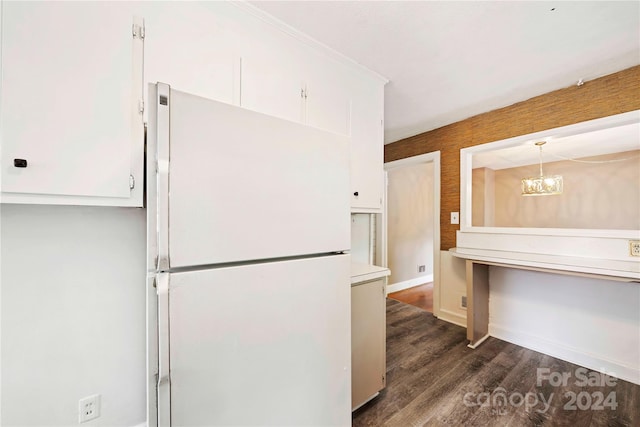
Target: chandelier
x: 542, y: 185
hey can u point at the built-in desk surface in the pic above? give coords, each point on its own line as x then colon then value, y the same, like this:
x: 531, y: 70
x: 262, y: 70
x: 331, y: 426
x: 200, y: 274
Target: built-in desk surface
x: 477, y: 277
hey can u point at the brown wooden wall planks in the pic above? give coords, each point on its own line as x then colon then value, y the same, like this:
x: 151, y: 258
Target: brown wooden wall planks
x: 612, y: 94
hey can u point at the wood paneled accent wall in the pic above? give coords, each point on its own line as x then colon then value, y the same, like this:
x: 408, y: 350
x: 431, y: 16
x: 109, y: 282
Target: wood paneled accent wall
x: 612, y: 94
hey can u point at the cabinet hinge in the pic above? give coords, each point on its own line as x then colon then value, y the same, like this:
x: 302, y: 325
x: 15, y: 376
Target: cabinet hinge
x: 138, y: 31
x: 132, y: 182
x: 140, y: 106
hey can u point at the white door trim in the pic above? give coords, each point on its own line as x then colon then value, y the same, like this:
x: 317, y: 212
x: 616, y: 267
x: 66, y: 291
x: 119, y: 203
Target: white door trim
x: 423, y: 158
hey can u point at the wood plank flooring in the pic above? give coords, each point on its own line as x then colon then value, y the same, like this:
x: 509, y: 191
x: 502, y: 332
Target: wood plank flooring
x: 433, y: 378
x: 420, y: 296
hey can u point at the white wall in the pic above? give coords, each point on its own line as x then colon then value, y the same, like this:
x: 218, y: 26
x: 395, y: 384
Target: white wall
x: 73, y: 313
x: 410, y: 223
x: 453, y: 285
x: 590, y: 322
x: 596, y: 195
x: 361, y: 238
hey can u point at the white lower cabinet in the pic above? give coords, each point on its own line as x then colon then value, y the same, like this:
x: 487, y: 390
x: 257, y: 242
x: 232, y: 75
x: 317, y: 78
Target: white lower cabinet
x: 368, y: 335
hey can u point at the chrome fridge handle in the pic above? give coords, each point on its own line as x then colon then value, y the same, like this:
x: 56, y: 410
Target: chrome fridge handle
x: 163, y: 154
x: 164, y: 379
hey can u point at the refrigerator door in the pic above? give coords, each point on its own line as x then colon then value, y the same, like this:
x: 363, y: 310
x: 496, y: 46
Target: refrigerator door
x: 262, y: 344
x: 247, y: 186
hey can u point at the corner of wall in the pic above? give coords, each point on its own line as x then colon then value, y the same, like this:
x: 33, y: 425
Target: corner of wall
x: 453, y: 285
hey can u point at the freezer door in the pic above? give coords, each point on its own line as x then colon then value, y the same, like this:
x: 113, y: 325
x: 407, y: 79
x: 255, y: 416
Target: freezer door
x: 247, y: 186
x: 264, y: 344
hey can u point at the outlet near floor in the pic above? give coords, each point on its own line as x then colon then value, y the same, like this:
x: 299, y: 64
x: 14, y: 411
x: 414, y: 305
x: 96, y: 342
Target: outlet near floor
x: 634, y: 247
x: 89, y: 408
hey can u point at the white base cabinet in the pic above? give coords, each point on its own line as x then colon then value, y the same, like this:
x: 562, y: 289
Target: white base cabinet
x: 368, y: 333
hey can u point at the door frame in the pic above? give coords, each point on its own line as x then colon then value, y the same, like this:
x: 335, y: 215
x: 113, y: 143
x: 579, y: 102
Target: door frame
x: 433, y: 157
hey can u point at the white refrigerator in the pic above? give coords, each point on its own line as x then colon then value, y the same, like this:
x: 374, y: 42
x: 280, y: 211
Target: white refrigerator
x: 248, y: 267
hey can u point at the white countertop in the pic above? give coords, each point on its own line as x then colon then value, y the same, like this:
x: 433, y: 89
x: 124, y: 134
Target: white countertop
x: 365, y: 272
x: 552, y: 263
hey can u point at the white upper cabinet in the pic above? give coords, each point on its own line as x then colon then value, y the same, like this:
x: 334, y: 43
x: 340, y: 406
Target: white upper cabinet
x: 74, y: 85
x: 272, y: 85
x: 71, y: 128
x: 328, y: 99
x: 189, y: 48
x: 285, y: 77
x: 367, y: 151
x: 296, y: 86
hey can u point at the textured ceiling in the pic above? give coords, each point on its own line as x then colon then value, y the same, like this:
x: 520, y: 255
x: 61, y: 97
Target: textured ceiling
x: 447, y: 61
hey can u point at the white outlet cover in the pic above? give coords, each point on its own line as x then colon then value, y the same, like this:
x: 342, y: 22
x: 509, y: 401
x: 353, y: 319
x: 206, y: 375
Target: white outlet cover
x: 89, y: 408
x: 455, y: 217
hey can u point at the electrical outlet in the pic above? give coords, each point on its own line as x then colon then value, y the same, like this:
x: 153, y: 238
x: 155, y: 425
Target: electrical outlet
x: 634, y: 247
x: 89, y: 408
x: 455, y: 217
x: 463, y: 301
x: 421, y: 268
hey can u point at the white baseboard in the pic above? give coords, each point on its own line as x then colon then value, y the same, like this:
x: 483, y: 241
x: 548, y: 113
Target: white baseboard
x: 452, y: 317
x: 144, y: 424
x: 569, y: 354
x: 400, y: 286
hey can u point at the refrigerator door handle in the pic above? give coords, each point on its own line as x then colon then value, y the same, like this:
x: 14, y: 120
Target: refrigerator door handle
x: 163, y: 153
x: 164, y: 380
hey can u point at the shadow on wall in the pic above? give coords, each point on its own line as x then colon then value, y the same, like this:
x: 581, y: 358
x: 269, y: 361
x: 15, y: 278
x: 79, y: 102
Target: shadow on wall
x: 410, y: 223
x: 602, y: 194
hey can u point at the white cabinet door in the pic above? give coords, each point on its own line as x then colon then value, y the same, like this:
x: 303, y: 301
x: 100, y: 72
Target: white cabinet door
x: 327, y: 100
x: 273, y: 86
x: 70, y: 91
x: 188, y: 48
x: 367, y: 153
x: 368, y: 340
x: 314, y: 95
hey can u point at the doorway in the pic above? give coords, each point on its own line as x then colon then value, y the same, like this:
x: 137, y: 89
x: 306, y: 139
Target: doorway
x: 411, y: 230
x: 420, y: 296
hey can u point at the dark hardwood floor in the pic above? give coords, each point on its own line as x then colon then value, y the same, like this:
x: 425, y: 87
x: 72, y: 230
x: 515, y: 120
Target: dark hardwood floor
x: 433, y: 378
x: 420, y: 296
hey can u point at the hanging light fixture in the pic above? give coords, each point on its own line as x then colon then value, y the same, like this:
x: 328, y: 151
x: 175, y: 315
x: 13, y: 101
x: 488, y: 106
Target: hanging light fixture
x: 542, y: 185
